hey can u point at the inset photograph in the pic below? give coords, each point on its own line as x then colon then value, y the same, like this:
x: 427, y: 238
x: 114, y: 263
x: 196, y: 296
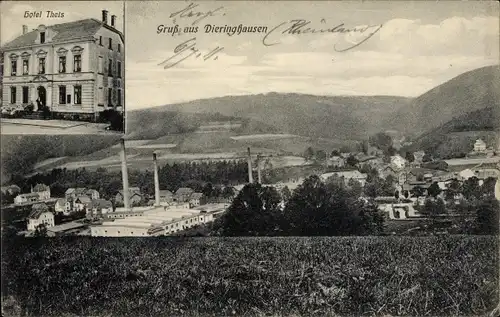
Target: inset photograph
x: 62, y: 67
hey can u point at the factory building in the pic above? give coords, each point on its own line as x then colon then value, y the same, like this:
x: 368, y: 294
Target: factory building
x: 157, y: 220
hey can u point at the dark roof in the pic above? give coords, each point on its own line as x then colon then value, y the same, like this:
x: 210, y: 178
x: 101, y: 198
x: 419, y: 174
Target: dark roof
x: 132, y: 191
x: 37, y: 210
x: 165, y: 192
x: 184, y: 191
x: 196, y: 195
x: 29, y: 195
x: 40, y: 188
x: 84, y: 199
x: 101, y: 203
x: 75, y: 191
x: 64, y: 32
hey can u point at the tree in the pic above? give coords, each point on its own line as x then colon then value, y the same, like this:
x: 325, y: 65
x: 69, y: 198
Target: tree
x: 208, y: 190
x: 433, y: 208
x: 355, y: 187
x: 6, y: 198
x: 391, y: 151
x: 336, y: 180
x: 309, y: 153
x: 228, y: 192
x: 471, y: 188
x: 374, y: 187
x: 321, y: 155
x: 381, y: 140
x: 335, y: 153
x: 352, y: 161
x: 434, y: 190
x: 487, y: 217
x: 488, y: 187
x: 426, y: 158
x: 316, y: 208
x: 254, y: 212
x: 418, y: 191
x: 286, y: 194
x: 41, y: 230
x: 364, y: 145
x: 454, y: 188
x: 388, y: 186
x: 410, y: 157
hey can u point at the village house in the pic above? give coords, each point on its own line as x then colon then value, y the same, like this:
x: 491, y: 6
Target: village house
x: 39, y: 215
x: 398, y: 162
x: 12, y: 190
x: 388, y: 170
x: 82, y: 203
x: 60, y: 206
x: 26, y: 198
x: 194, y: 200
x: 135, y: 196
x: 347, y: 176
x: 374, y: 151
x: 445, y: 180
x: 419, y: 157
x: 42, y: 190
x: 81, y: 191
x: 99, y: 207
x: 92, y: 193
x: 74, y: 192
x: 335, y: 162
x: 166, y: 196
x: 73, y: 68
x: 479, y: 146
x: 183, y: 194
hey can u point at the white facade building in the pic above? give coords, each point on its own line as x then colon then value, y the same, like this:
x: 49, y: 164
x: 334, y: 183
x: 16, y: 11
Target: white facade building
x: 73, y: 69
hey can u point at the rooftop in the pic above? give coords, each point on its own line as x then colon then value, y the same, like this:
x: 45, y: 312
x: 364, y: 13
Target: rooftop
x: 184, y: 191
x: 66, y: 226
x: 80, y: 29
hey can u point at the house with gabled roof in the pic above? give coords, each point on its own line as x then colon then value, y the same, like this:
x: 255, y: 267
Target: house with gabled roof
x: 81, y: 203
x: 26, y: 198
x: 183, y: 194
x: 135, y: 196
x: 195, y: 199
x: 42, y: 190
x: 40, y: 214
x: 71, y: 69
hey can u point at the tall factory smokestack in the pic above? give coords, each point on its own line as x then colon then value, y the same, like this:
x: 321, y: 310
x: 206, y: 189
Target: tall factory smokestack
x: 259, y: 175
x: 126, y: 193
x: 157, y: 181
x: 250, y: 176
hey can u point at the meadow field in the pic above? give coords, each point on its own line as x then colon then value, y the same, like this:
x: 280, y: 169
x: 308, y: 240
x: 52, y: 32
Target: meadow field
x: 298, y: 276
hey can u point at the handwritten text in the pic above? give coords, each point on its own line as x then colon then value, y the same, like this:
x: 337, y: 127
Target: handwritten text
x: 186, y: 50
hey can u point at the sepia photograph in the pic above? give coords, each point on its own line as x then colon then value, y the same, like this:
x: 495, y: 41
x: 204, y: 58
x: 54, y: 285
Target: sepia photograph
x: 62, y: 67
x: 279, y: 158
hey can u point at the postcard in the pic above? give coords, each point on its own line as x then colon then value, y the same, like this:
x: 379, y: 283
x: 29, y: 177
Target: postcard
x: 279, y: 158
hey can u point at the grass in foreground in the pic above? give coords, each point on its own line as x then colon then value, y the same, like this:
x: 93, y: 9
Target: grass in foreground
x: 453, y: 275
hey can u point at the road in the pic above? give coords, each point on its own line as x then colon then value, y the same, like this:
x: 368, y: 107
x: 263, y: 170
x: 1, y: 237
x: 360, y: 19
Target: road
x: 51, y: 128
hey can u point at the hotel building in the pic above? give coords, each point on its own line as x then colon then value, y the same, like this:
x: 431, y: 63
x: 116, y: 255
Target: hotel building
x: 74, y: 69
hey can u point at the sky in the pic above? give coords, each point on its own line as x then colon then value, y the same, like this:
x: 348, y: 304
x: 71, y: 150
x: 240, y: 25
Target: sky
x: 13, y: 14
x: 415, y: 47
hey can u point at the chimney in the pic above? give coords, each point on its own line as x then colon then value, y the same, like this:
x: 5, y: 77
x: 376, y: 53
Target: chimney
x: 105, y: 16
x: 157, y: 181
x: 126, y: 193
x: 113, y: 20
x: 259, y: 175
x: 25, y: 29
x: 250, y: 176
